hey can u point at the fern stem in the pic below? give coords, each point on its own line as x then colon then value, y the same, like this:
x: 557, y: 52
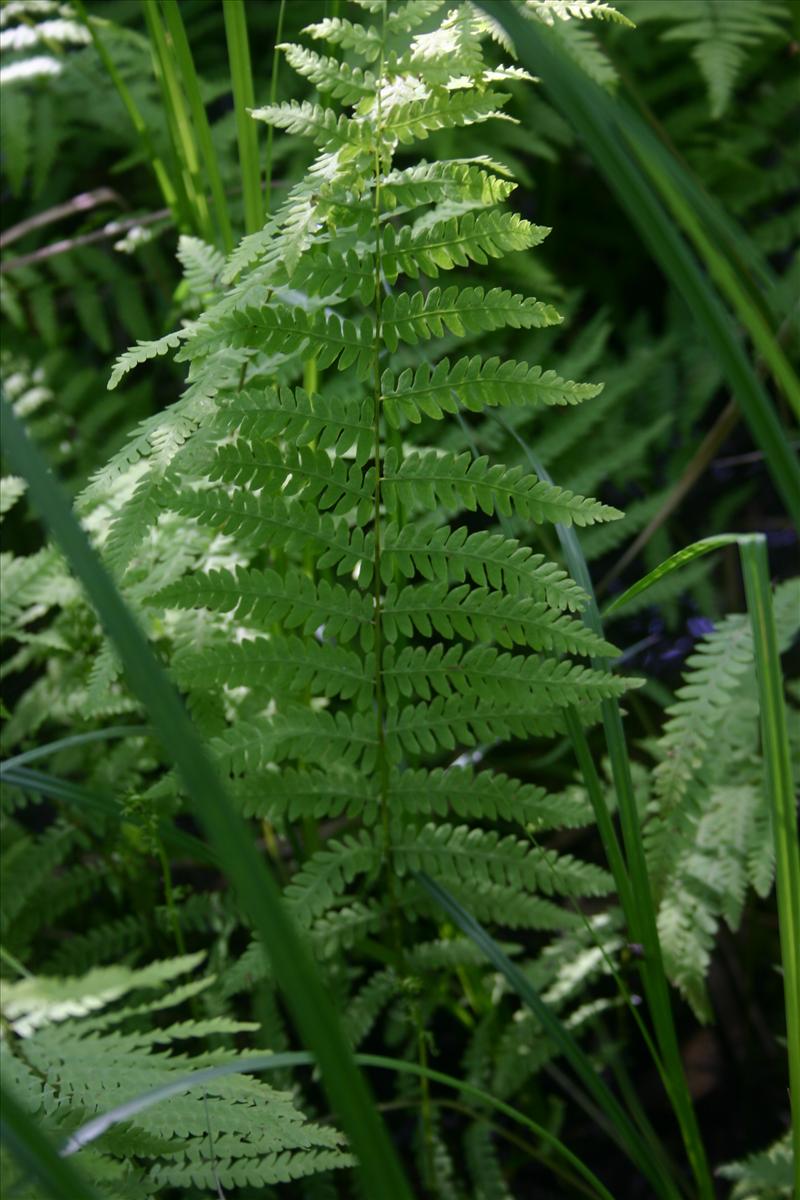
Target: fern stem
x: 380, y: 700
x: 169, y: 899
x: 426, y: 1114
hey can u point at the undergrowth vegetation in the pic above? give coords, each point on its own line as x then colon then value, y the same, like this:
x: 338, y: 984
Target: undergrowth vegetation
x: 405, y: 407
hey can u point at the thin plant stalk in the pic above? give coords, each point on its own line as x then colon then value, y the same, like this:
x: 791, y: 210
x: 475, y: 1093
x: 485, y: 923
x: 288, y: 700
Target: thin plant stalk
x: 191, y: 84
x: 273, y: 95
x: 171, y: 199
x: 764, y: 339
x: 635, y: 896
x: 178, y: 120
x: 620, y: 1125
x: 777, y: 771
x: 780, y: 790
x: 244, y: 100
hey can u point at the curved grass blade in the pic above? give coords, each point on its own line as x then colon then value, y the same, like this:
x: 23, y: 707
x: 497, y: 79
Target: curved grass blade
x: 76, y: 739
x: 307, y: 999
x: 95, y: 1128
x: 608, y: 127
x: 680, y: 559
x: 176, y: 204
x: 78, y: 797
x: 178, y: 122
x: 33, y: 1151
x: 624, y: 1131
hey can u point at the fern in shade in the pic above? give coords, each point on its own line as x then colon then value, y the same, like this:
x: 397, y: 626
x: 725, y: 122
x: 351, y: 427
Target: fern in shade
x: 90, y: 1052
x: 374, y: 623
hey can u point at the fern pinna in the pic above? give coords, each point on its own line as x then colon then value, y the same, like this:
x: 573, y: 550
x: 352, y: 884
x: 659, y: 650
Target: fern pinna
x: 360, y: 622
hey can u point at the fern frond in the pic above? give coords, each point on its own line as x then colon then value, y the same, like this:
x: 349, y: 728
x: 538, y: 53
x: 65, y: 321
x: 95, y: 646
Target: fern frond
x: 575, y: 10
x: 483, y: 795
x: 330, y: 75
x: 474, y: 384
x: 763, y: 1176
x: 338, y: 425
x: 456, y: 242
x: 202, y: 264
x: 11, y: 488
x: 322, y: 125
x: 302, y: 470
x: 327, y: 874
x: 277, y: 329
x: 263, y: 598
x: 338, y: 31
x: 413, y: 316
x: 486, y: 558
x: 314, y: 735
x: 462, y: 181
x: 417, y: 120
x: 477, y: 614
x: 143, y: 352
x: 721, y: 36
x: 547, y: 683
x: 478, y: 856
x: 411, y: 14
x: 278, y: 666
x: 426, y: 479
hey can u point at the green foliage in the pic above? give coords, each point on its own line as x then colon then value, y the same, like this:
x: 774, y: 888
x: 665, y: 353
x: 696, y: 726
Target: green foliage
x: 708, y: 836
x: 722, y: 36
x: 72, y: 1051
x: 337, y: 540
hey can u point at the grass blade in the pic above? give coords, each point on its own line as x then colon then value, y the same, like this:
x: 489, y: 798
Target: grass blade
x: 608, y: 127
x: 178, y: 121
x: 191, y: 84
x: 634, y: 891
x: 244, y: 100
x: 307, y: 999
x: 65, y: 792
x: 273, y: 95
x: 55, y: 1175
x: 780, y: 789
x: 680, y: 559
x: 175, y: 203
x: 625, y: 1132
x: 75, y: 739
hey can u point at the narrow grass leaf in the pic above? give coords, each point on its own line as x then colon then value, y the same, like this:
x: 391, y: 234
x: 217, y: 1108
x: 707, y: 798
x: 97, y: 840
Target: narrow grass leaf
x: 623, y: 1129
x: 56, y: 1176
x: 673, y: 563
x: 244, y: 99
x: 780, y: 789
x: 191, y: 84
